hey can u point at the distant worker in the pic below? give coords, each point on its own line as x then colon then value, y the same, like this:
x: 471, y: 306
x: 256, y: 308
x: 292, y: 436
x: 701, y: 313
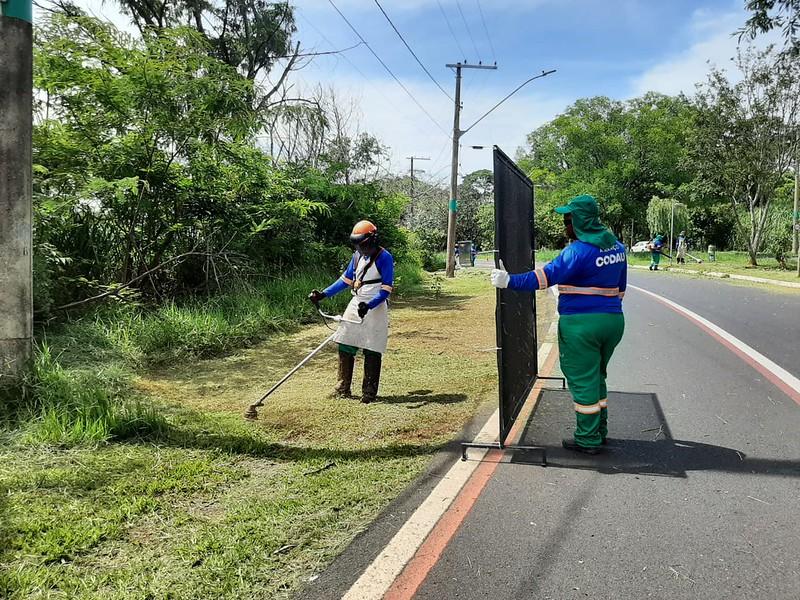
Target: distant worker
x: 370, y: 277
x: 656, y: 247
x: 473, y: 253
x: 681, y: 247
x: 591, y: 274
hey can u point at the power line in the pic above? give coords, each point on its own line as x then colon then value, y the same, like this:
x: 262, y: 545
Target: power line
x: 360, y: 72
x: 450, y: 27
x: 388, y: 70
x: 514, y: 91
x: 469, y: 33
x: 329, y: 52
x: 400, y: 35
x: 486, y: 29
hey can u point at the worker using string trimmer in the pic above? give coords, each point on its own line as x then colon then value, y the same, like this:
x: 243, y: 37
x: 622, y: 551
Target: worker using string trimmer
x: 591, y: 274
x: 370, y: 277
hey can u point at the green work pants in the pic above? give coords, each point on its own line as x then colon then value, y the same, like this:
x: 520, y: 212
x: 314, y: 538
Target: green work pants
x: 655, y: 258
x: 352, y: 350
x: 586, y: 343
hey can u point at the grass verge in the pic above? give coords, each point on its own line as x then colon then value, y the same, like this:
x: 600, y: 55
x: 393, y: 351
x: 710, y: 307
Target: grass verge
x: 212, y: 506
x: 726, y: 262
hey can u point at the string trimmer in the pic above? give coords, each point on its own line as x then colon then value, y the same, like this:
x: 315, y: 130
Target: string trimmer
x: 251, y: 412
x: 694, y: 258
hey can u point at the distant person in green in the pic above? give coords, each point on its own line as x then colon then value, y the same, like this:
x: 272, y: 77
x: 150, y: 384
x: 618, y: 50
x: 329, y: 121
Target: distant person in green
x: 656, y: 248
x: 591, y: 274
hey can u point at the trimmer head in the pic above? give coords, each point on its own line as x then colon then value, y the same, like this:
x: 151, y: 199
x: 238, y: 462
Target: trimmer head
x: 251, y: 413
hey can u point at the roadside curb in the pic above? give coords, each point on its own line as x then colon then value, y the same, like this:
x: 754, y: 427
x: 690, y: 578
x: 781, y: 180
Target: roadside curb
x: 718, y: 275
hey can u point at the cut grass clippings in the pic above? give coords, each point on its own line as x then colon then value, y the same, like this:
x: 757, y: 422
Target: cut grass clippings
x: 213, y: 506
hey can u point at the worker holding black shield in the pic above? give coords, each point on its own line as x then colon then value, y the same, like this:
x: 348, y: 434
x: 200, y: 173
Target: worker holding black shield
x: 591, y: 275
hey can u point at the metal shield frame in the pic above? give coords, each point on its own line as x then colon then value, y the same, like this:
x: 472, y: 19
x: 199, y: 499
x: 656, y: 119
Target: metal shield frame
x: 515, y: 313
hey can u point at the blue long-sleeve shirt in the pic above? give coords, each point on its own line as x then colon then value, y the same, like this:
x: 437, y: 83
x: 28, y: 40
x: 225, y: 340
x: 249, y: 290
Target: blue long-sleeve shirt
x: 590, y: 280
x: 385, y: 264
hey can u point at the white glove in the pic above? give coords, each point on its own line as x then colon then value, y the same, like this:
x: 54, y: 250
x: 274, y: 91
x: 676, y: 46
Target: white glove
x: 500, y: 277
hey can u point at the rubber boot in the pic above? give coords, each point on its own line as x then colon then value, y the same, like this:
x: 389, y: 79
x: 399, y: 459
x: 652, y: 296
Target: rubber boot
x: 346, y: 364
x: 372, y: 377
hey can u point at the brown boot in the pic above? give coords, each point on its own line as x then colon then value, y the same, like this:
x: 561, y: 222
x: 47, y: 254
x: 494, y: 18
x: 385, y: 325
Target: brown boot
x: 372, y: 377
x: 346, y: 364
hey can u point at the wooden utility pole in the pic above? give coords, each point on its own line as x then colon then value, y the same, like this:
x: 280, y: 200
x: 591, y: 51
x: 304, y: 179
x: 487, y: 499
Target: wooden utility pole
x: 16, y: 122
x: 452, y: 209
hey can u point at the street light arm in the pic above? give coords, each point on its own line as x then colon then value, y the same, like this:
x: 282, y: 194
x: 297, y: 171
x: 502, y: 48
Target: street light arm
x: 518, y: 88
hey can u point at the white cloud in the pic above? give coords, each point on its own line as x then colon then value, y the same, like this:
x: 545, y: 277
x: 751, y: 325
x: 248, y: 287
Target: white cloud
x: 387, y: 112
x: 713, y: 42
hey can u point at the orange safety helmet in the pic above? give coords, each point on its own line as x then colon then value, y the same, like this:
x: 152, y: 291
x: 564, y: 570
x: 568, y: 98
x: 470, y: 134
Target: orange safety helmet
x: 364, y: 234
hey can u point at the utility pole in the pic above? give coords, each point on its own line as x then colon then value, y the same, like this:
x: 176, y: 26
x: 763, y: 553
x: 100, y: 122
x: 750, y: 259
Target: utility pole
x: 412, y: 159
x: 796, y: 217
x: 457, y: 133
x: 631, y: 242
x: 671, y: 230
x: 16, y: 270
x: 796, y: 213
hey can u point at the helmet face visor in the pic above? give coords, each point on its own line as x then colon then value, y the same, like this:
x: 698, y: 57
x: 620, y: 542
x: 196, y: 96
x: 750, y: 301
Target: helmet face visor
x: 364, y: 242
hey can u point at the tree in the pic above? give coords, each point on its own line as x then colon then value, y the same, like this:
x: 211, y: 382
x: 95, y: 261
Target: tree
x: 622, y: 153
x: 665, y: 215
x: 745, y: 135
x: 486, y: 225
x: 767, y: 15
x: 144, y: 152
x: 475, y: 191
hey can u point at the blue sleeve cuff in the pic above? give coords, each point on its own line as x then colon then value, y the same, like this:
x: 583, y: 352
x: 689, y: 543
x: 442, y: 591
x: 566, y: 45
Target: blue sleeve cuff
x: 378, y: 299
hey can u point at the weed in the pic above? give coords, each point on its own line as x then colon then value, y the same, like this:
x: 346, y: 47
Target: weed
x: 62, y: 406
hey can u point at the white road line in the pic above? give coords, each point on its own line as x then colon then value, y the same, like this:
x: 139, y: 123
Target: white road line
x: 754, y: 357
x: 376, y: 580
x: 380, y: 575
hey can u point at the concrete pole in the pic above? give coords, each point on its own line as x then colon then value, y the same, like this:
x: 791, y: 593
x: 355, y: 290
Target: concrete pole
x: 412, y: 181
x: 796, y: 213
x: 671, y: 230
x: 412, y: 159
x: 16, y: 269
x: 452, y: 208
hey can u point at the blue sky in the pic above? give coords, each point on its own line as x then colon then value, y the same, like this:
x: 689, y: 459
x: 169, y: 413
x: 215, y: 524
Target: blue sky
x: 618, y: 48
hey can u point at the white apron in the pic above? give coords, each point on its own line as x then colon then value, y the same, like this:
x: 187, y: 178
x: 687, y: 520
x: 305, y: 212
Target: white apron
x: 373, y: 333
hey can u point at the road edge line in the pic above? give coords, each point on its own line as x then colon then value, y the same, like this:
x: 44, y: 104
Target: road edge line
x: 780, y: 377
x: 414, y: 573
x: 378, y: 577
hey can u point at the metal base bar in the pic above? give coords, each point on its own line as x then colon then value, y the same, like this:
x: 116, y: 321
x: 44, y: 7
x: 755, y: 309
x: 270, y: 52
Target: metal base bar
x: 499, y: 446
x: 561, y: 379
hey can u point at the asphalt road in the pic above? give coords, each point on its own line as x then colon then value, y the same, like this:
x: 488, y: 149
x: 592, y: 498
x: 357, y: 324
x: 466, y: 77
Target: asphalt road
x: 698, y: 496
x: 705, y: 508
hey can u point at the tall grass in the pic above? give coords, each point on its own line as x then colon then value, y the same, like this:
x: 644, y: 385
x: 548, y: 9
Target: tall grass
x: 78, y: 389
x: 199, y: 327
x: 208, y: 327
x: 62, y: 406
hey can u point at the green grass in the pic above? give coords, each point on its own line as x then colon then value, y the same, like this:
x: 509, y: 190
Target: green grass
x: 194, y: 328
x: 79, y: 388
x: 209, y: 505
x: 730, y: 262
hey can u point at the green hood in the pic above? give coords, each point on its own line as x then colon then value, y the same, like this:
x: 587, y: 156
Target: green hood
x: 586, y: 222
